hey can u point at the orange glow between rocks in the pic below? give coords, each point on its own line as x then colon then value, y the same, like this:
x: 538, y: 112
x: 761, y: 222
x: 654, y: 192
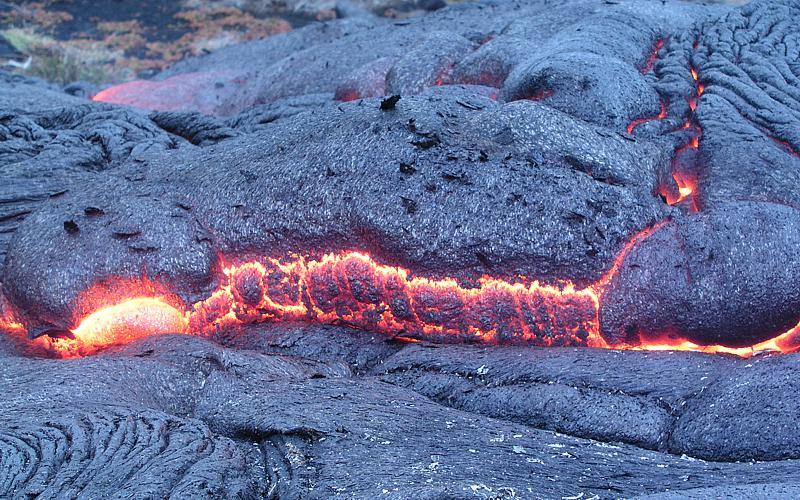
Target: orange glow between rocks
x: 652, y: 57
x: 9, y: 324
x: 638, y: 121
x: 684, y: 191
x: 785, y: 343
x: 786, y: 145
x: 8, y: 320
x: 350, y: 288
x: 539, y: 95
x: 687, y: 189
x: 686, y: 184
x: 443, y: 77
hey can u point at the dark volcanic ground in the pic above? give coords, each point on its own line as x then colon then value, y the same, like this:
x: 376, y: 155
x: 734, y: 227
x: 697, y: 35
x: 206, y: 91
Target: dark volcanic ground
x: 317, y: 412
x: 529, y: 139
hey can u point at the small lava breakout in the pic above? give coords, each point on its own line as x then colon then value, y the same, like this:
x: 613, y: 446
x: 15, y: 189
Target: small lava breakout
x: 351, y: 289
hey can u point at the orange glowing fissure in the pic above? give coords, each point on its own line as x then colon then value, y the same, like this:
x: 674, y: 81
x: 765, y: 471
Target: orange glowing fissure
x: 638, y: 121
x: 652, y: 57
x: 685, y: 182
x: 351, y: 288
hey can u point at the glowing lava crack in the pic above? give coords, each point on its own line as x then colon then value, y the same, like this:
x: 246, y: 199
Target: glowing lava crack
x: 350, y: 288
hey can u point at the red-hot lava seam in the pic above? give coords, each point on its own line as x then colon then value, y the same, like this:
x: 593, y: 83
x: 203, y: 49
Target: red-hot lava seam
x: 786, y: 145
x: 351, y: 288
x: 443, y: 76
x: 638, y: 121
x: 652, y: 57
x: 539, y: 95
x: 686, y: 182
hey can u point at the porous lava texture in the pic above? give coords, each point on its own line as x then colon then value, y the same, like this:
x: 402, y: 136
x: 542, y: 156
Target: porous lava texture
x: 416, y: 259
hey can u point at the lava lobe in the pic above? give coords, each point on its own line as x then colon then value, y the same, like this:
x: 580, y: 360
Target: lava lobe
x: 709, y: 279
x: 662, y: 291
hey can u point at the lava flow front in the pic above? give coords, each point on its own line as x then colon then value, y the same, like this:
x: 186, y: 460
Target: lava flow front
x: 350, y: 288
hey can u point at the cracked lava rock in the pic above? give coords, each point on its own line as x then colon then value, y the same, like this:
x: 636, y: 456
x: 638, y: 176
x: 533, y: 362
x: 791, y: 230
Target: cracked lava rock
x: 461, y: 255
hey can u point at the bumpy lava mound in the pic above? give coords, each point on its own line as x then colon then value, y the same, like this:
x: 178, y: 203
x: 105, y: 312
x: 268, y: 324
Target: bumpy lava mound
x: 340, y: 202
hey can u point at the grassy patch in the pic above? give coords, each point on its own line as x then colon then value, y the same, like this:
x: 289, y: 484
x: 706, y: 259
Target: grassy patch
x: 120, y: 50
x: 59, y: 62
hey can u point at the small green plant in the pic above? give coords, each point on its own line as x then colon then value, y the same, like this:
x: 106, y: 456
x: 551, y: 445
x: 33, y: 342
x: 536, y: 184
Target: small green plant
x: 63, y: 63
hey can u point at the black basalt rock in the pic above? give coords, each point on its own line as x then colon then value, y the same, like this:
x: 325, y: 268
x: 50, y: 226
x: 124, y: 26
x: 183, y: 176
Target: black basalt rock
x: 724, y: 276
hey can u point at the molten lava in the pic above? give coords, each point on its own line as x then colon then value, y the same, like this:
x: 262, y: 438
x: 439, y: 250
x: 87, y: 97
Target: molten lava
x: 638, y: 121
x: 122, y: 323
x: 686, y: 182
x: 130, y: 320
x: 8, y: 323
x: 786, y: 145
x: 8, y: 320
x: 443, y: 76
x: 539, y: 95
x: 200, y: 91
x: 786, y: 342
x: 646, y: 68
x: 652, y: 57
x: 350, y: 288
x: 687, y: 190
